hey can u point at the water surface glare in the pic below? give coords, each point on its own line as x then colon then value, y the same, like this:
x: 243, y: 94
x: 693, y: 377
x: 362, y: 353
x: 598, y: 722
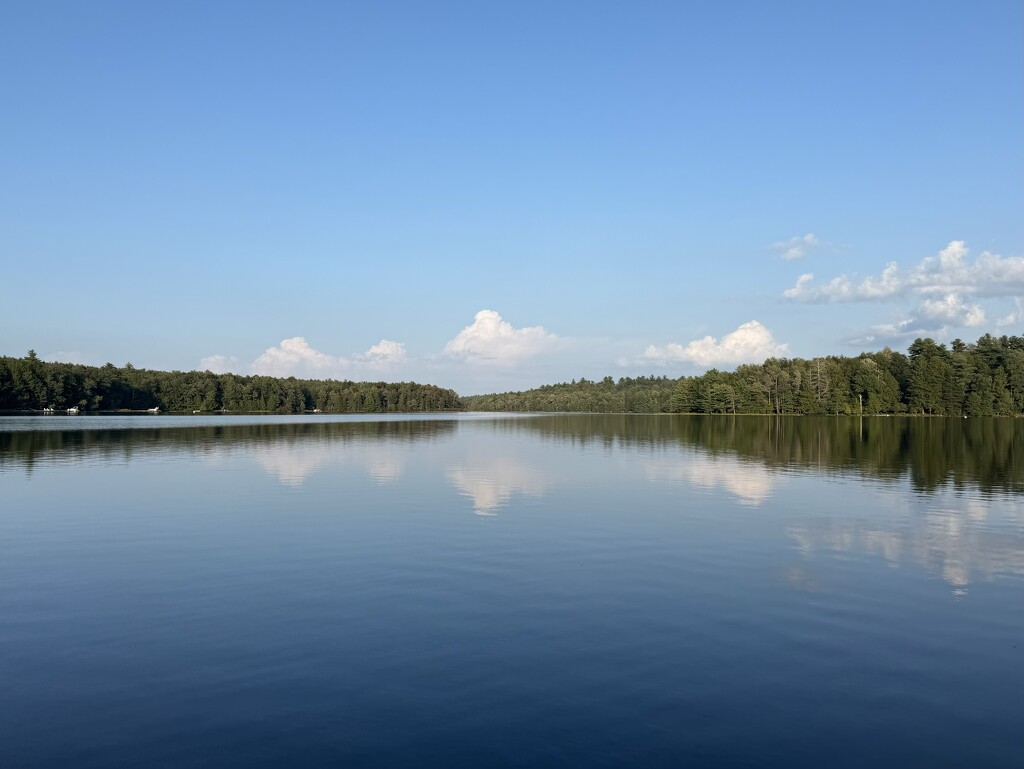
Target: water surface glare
x: 479, y: 591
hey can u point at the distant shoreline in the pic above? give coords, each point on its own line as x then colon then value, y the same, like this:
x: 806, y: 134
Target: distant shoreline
x: 985, y: 378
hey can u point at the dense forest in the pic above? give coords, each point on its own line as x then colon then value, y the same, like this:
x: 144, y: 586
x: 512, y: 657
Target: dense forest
x: 30, y: 383
x: 981, y: 379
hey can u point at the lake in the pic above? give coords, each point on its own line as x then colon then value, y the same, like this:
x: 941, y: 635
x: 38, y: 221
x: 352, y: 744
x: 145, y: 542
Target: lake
x: 490, y: 591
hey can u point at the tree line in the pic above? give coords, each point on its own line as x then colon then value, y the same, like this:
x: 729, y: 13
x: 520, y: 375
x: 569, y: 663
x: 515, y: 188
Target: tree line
x: 985, y: 378
x: 32, y: 384
x: 981, y: 379
x: 639, y: 395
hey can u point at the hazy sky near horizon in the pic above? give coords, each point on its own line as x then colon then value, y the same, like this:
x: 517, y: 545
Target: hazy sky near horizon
x: 493, y: 196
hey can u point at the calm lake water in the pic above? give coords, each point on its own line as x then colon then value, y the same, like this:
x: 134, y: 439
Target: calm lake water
x: 563, y: 591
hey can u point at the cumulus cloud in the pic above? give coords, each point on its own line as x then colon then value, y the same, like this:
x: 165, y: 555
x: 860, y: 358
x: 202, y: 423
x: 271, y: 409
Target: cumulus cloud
x: 897, y: 332
x: 948, y: 272
x: 384, y: 353
x: 488, y: 340
x: 842, y: 289
x: 946, y: 287
x: 803, y: 287
x: 219, y: 364
x: 292, y: 357
x: 750, y: 343
x: 492, y: 339
x: 296, y: 357
x: 1015, y: 318
x: 952, y: 309
x: 933, y: 318
x: 797, y: 247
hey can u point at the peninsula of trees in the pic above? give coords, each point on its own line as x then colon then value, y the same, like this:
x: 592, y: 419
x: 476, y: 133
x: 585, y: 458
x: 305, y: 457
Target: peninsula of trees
x: 981, y: 379
x: 30, y: 383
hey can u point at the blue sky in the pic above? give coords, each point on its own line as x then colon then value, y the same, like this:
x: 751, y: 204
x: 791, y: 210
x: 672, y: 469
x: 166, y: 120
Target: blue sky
x: 494, y: 196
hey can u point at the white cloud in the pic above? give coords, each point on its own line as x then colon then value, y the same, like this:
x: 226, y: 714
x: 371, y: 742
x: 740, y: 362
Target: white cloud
x: 797, y: 247
x: 1014, y: 318
x: 932, y: 319
x: 947, y: 272
x: 952, y: 309
x: 802, y: 287
x: 898, y: 332
x: 219, y: 364
x: 490, y: 338
x: 842, y: 289
x: 296, y: 357
x: 886, y: 284
x: 750, y: 343
x: 990, y: 275
x: 383, y: 354
x: 943, y: 284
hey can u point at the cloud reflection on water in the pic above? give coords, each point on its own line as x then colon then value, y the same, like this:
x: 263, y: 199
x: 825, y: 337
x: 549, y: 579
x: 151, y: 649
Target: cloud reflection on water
x: 750, y: 483
x: 940, y: 494
x: 492, y: 483
x: 964, y: 541
x: 293, y: 464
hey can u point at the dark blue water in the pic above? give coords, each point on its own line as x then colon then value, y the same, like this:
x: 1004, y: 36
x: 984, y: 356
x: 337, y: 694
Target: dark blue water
x: 550, y: 591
